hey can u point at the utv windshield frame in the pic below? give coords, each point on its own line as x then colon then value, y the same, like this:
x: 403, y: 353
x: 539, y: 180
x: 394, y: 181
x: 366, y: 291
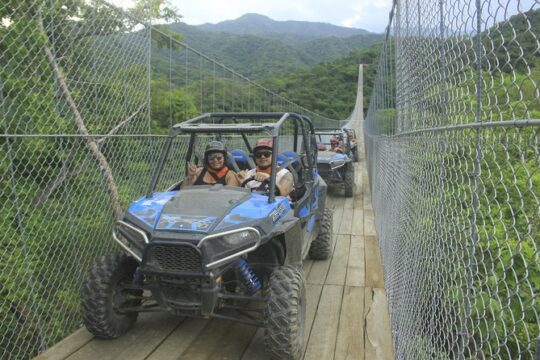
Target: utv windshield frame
x: 237, y: 123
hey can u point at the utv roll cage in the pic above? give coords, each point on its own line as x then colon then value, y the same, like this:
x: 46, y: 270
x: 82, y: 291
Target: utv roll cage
x: 341, y: 132
x: 238, y: 123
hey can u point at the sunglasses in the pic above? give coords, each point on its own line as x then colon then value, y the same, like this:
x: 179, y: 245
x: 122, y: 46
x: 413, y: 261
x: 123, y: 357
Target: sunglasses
x: 218, y: 157
x: 260, y: 154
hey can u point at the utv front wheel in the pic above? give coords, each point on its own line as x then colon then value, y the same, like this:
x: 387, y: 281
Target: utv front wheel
x: 349, y: 181
x: 321, y: 247
x: 285, y: 313
x: 103, y: 296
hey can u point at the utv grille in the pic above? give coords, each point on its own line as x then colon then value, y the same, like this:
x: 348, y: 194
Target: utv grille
x: 323, y: 167
x: 174, y: 258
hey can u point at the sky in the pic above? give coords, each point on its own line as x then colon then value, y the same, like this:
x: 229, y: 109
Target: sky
x: 371, y: 15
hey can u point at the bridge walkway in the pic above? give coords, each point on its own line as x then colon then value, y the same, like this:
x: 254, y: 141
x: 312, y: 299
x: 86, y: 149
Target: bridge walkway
x: 347, y: 316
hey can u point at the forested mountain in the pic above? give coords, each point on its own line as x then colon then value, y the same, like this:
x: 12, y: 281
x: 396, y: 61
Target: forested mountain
x: 263, y: 26
x: 256, y: 56
x: 329, y: 88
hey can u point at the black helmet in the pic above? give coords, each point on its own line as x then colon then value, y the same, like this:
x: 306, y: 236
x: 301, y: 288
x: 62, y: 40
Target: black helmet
x: 215, y: 146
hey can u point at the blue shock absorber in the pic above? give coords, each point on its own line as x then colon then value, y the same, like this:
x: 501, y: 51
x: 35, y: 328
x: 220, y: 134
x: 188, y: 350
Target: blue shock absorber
x: 248, y: 276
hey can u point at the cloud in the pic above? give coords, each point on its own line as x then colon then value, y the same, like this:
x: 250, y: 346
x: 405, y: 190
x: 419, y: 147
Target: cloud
x: 352, y: 21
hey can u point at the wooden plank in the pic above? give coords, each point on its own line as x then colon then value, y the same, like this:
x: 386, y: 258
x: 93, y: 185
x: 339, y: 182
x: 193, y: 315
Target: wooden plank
x: 350, y: 338
x: 234, y: 343
x: 322, y: 340
x: 374, y: 271
x: 359, y: 201
x: 319, y: 269
x: 256, y: 349
x: 67, y: 346
x: 365, y: 183
x: 349, y: 203
x: 367, y: 195
x: 338, y: 266
x: 378, y: 340
x: 138, y: 343
x: 358, y: 176
x: 356, y: 275
x: 357, y: 227
x: 318, y: 272
x: 339, y: 199
x: 306, y: 265
x: 208, y: 340
x: 369, y: 223
x: 338, y: 214
x: 179, y: 340
x: 346, y: 222
x: 329, y: 201
x: 313, y: 296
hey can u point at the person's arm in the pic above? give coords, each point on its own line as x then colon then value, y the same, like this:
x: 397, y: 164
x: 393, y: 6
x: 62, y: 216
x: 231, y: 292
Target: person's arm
x: 286, y: 184
x: 232, y: 179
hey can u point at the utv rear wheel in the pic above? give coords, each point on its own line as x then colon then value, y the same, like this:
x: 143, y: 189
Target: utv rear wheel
x: 285, y: 313
x: 321, y: 247
x: 103, y: 296
x: 355, y: 154
x: 349, y: 181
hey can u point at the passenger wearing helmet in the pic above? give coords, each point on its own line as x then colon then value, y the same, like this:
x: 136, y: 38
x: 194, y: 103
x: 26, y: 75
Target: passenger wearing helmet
x: 335, y: 145
x: 258, y: 179
x: 214, y: 170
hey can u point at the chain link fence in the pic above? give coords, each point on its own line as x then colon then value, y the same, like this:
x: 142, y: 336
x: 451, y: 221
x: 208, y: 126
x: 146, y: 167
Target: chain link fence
x: 87, y: 94
x: 452, y: 141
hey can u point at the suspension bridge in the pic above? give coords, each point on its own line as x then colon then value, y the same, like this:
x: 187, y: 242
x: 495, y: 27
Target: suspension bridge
x: 436, y: 255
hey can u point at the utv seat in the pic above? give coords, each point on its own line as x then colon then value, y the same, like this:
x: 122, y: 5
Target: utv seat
x: 242, y: 160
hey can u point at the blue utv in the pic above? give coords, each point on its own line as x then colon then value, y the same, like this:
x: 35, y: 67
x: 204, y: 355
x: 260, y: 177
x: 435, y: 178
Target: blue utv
x: 335, y: 159
x: 215, y: 251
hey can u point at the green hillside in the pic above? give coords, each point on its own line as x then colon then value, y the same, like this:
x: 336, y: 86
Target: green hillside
x: 329, y: 88
x: 262, y: 56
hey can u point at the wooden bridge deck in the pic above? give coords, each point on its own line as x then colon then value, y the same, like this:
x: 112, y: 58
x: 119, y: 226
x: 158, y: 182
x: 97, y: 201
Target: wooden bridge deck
x: 347, y: 315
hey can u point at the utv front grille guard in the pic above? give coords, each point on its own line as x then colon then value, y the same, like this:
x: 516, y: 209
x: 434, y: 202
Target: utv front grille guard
x: 208, y: 266
x: 125, y: 246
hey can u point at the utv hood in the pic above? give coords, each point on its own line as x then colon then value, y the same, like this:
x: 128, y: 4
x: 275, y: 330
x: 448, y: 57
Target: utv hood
x: 204, y: 209
x: 328, y: 156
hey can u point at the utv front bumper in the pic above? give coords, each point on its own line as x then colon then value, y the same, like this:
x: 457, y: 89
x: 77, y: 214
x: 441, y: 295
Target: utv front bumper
x: 185, y: 276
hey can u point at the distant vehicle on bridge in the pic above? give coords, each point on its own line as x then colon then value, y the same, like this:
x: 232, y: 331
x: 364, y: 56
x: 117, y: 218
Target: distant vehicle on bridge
x: 337, y: 152
x: 215, y: 250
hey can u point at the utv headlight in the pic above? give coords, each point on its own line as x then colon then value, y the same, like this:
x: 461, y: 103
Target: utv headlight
x: 222, y: 247
x: 240, y: 238
x: 337, y: 163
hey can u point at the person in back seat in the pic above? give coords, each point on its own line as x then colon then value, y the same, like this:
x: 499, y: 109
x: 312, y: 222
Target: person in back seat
x: 214, y: 171
x: 258, y: 178
x: 335, y: 145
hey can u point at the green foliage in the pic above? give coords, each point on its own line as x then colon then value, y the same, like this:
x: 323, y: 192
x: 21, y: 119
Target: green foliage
x: 329, y: 88
x: 258, y: 56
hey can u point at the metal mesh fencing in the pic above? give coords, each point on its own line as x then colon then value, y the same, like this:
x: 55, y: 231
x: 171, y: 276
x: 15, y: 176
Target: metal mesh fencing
x: 452, y: 142
x: 87, y: 94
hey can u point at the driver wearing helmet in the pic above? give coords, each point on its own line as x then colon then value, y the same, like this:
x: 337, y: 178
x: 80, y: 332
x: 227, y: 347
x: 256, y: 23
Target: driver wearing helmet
x: 258, y: 178
x: 214, y: 171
